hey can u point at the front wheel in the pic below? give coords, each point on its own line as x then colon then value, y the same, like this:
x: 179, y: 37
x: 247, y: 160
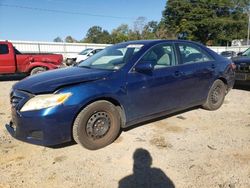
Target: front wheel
x: 69, y: 62
x: 215, y: 96
x: 97, y: 125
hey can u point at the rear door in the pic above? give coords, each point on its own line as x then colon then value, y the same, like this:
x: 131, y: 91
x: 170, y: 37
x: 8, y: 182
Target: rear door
x: 196, y: 69
x: 7, y: 59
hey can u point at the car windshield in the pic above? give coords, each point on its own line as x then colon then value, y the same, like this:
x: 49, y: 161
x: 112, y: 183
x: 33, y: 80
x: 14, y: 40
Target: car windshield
x: 227, y: 53
x: 247, y: 52
x: 113, y: 57
x: 86, y: 51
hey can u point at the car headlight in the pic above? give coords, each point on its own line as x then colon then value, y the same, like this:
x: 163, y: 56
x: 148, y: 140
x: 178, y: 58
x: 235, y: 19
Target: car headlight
x: 45, y: 101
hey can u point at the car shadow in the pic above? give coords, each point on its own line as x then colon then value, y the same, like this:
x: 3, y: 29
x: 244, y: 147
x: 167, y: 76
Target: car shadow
x: 12, y: 77
x: 71, y: 143
x: 63, y: 145
x: 159, y: 118
x: 242, y: 87
x: 144, y: 175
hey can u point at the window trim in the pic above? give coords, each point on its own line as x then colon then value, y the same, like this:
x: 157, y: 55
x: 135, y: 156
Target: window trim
x: 132, y: 69
x: 212, y: 59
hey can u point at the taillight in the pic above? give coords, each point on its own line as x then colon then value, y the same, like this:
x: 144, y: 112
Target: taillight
x: 232, y: 66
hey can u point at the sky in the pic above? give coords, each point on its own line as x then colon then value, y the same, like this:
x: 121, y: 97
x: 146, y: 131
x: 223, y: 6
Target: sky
x: 44, y: 20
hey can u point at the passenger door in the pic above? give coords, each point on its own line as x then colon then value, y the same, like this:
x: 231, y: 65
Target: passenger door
x: 157, y: 90
x: 7, y: 60
x: 196, y: 70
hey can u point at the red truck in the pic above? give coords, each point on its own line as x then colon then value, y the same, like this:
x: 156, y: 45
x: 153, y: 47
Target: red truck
x: 12, y: 61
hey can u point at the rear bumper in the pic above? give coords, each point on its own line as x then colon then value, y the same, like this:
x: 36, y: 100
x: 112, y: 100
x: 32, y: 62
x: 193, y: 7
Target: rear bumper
x: 230, y: 84
x: 242, y: 83
x: 242, y: 76
x: 230, y: 79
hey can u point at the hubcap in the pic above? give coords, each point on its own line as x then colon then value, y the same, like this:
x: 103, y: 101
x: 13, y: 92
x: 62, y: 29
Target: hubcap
x: 216, y: 95
x: 98, y: 125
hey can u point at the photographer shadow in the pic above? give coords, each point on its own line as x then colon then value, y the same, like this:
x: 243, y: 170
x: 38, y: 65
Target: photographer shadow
x: 143, y: 175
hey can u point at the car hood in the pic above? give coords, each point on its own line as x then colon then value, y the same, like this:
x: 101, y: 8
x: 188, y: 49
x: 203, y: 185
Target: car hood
x: 50, y: 81
x: 241, y: 59
x: 81, y: 58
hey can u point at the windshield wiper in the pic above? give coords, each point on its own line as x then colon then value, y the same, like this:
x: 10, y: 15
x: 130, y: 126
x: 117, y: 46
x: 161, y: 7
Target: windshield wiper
x: 82, y: 66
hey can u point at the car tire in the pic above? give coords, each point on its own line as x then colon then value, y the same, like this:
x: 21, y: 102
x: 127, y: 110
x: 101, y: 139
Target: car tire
x: 97, y: 125
x: 215, y: 96
x: 69, y: 62
x: 37, y: 70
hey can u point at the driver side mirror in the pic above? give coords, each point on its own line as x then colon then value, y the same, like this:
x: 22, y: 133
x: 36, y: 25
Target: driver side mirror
x: 144, y: 67
x: 239, y: 54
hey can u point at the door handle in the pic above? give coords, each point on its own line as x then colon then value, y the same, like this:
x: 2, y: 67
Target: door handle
x: 178, y: 73
x: 213, y: 66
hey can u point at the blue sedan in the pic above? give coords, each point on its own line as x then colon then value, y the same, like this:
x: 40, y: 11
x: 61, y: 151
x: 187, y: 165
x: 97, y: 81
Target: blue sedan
x: 124, y: 84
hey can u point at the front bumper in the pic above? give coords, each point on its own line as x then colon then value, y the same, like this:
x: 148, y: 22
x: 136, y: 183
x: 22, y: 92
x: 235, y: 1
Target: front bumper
x: 45, y: 127
x: 39, y: 131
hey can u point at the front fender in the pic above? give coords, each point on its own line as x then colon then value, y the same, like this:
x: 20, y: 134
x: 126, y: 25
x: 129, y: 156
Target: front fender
x: 84, y: 94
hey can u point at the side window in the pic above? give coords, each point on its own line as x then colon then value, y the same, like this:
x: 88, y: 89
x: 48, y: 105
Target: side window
x: 161, y: 56
x: 4, y: 49
x: 193, y: 54
x: 98, y: 50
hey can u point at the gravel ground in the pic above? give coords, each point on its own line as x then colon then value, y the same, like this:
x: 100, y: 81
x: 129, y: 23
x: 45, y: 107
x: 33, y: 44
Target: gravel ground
x: 197, y: 148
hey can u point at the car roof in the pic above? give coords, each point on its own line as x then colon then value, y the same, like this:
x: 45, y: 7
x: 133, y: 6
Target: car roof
x: 157, y: 41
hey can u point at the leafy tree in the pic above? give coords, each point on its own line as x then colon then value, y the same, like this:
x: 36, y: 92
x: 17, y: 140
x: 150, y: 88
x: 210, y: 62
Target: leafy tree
x: 96, y: 34
x: 105, y: 38
x: 58, y: 39
x: 163, y: 33
x: 70, y: 39
x: 120, y: 34
x: 214, y: 21
x: 155, y: 30
x: 149, y: 30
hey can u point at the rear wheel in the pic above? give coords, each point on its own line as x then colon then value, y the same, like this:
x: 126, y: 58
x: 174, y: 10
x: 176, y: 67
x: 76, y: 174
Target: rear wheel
x: 37, y: 70
x: 215, y: 96
x: 97, y: 125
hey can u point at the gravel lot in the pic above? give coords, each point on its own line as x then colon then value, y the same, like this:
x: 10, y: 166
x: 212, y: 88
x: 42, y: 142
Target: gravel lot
x: 197, y: 148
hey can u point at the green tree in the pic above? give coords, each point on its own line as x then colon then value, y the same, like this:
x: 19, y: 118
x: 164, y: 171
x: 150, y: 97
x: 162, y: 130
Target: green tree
x: 120, y: 34
x: 96, y: 34
x: 70, y: 39
x: 149, y: 30
x: 163, y: 33
x: 58, y: 39
x: 214, y: 21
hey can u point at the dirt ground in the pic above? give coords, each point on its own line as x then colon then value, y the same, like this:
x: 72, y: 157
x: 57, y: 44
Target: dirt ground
x: 197, y: 148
